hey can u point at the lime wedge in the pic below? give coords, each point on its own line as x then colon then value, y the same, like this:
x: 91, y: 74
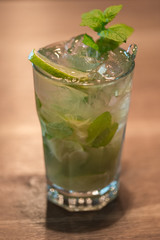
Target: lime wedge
x: 55, y: 69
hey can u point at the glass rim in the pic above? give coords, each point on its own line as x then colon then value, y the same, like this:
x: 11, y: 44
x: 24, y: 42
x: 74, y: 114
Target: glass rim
x: 89, y: 84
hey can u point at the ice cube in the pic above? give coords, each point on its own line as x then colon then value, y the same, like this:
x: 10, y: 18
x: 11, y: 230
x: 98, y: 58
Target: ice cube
x: 114, y: 66
x: 76, y: 55
x: 132, y: 51
x: 73, y: 54
x: 75, y: 45
x: 81, y: 56
x: 53, y: 52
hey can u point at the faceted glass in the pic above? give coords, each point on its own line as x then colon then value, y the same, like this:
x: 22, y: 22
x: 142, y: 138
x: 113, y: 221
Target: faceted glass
x: 83, y: 128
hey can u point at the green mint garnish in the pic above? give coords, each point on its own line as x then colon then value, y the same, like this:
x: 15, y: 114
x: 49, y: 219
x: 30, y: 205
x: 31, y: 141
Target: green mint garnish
x: 105, y: 45
x: 101, y: 130
x: 94, y: 19
x: 110, y: 38
x: 111, y: 12
x: 118, y: 33
x: 88, y: 40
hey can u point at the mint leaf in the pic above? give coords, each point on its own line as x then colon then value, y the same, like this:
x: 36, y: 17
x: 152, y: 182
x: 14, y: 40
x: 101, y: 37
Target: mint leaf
x: 105, y: 45
x: 58, y: 130
x: 88, y: 40
x: 94, y: 19
x: 111, y: 12
x: 118, y: 33
x: 98, y: 126
x: 101, y: 130
x: 110, y: 38
x: 105, y: 137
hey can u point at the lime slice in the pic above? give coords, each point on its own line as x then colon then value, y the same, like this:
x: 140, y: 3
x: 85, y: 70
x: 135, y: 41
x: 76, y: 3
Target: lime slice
x: 55, y: 69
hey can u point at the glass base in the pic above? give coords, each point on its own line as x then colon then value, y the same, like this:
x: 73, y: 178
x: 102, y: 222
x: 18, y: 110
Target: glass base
x: 80, y: 201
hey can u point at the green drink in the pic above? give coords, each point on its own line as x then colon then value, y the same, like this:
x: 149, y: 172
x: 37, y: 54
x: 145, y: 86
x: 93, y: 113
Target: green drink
x: 82, y: 100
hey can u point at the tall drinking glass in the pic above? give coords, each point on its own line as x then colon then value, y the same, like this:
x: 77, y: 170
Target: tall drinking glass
x: 83, y: 128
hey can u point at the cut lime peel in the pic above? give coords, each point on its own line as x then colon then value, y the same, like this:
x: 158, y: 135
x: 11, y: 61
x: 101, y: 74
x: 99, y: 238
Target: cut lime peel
x: 54, y: 69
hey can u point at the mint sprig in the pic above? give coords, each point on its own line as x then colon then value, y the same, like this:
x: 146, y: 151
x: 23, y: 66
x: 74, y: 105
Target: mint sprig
x: 110, y: 38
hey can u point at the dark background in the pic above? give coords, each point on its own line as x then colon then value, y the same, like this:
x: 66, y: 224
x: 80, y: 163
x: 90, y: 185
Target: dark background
x: 24, y: 212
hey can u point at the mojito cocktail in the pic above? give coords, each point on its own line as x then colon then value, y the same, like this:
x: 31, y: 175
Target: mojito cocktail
x: 82, y: 100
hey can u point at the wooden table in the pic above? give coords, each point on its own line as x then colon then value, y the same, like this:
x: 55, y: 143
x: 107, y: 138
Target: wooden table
x: 24, y: 211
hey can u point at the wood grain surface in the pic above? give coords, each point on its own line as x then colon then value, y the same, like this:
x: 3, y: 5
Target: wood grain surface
x: 24, y: 210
